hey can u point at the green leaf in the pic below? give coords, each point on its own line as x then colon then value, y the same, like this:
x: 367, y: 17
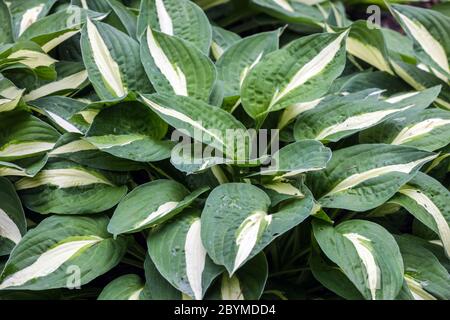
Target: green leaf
x: 54, y: 29
x: 26, y: 12
x: 175, y: 66
x: 130, y: 130
x: 302, y: 71
x: 65, y: 187
x: 12, y: 219
x: 427, y: 130
x: 427, y: 200
x: 247, y: 226
x: 60, y: 252
x: 178, y: 253
x: 181, y: 18
x: 340, y: 117
x: 427, y: 28
x: 128, y: 19
x: 246, y: 284
x: 10, y: 95
x: 426, y: 278
x: 22, y: 136
x: 156, y: 286
x: 374, y: 174
x: 6, y: 33
x: 222, y: 39
x: 27, y: 167
x: 366, y: 253
x: 113, y: 61
x: 194, y: 117
x: 237, y: 61
x: 151, y: 204
x: 290, y: 11
x: 126, y: 287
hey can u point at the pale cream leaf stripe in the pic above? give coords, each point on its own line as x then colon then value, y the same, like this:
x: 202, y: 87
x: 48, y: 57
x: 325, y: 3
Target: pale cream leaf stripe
x: 162, y: 210
x: 165, y: 22
x: 108, y: 68
x: 195, y: 255
x: 8, y: 229
x: 410, y: 133
x: 62, y: 178
x: 26, y: 148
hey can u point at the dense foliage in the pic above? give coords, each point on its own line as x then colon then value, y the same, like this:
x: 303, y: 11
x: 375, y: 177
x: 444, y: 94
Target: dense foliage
x: 103, y: 197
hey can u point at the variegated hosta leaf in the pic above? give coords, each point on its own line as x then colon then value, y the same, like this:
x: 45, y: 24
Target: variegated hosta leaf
x: 181, y: 18
x: 150, y: 204
x: 126, y: 287
x: 222, y: 39
x: 177, y: 251
x: 71, y: 76
x: 113, y: 61
x: 420, y: 80
x: 293, y: 11
x: 246, y: 284
x: 10, y: 95
x: 196, y: 118
x: 22, y: 136
x: 428, y: 200
x: 27, y: 167
x: 299, y: 157
x: 427, y: 130
x: 368, y: 45
x: 67, y: 246
x: 362, y: 177
x: 175, y: 66
x: 236, y: 62
x: 333, y: 278
x: 94, y: 5
x: 157, y: 287
x: 54, y: 29
x: 26, y: 12
x: 340, y: 117
x: 131, y: 131
x: 425, y: 276
x: 68, y: 188
x: 246, y: 225
x: 126, y: 17
x: 302, y: 71
x: 429, y: 29
x: 74, y: 147
x: 12, y: 219
x: 366, y: 253
x: 29, y: 55
x: 63, y: 112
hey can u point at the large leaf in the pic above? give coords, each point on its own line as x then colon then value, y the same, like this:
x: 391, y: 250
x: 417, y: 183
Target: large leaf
x: 150, y: 204
x: 66, y: 187
x: 427, y: 28
x: 427, y: 130
x: 236, y: 62
x: 222, y: 39
x: 12, y: 219
x: 177, y: 251
x: 200, y: 120
x: 126, y: 287
x: 113, y: 61
x: 60, y: 252
x: 156, y: 286
x: 374, y: 174
x: 131, y: 131
x: 181, y: 18
x: 300, y: 72
x: 247, y: 226
x: 428, y: 200
x: 51, y: 31
x: 22, y: 135
x: 426, y: 278
x: 366, y: 253
x: 175, y: 66
x: 246, y: 284
x: 337, y: 118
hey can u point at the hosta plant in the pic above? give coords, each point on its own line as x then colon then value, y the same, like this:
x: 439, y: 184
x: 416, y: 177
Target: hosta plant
x: 241, y: 149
